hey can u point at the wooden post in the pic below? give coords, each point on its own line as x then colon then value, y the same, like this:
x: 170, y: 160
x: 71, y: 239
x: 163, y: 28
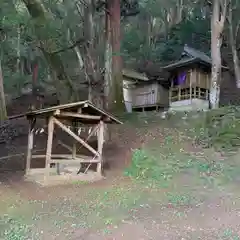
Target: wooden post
x: 170, y: 94
x: 100, y: 146
x: 194, y: 82
x: 30, y: 144
x: 75, y: 125
x: 74, y: 148
x: 49, y: 146
x: 198, y: 74
x: 207, y: 86
x: 190, y: 85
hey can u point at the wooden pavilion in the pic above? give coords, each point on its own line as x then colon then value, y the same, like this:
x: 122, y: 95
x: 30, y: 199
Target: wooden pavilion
x: 74, y: 115
x: 190, y: 80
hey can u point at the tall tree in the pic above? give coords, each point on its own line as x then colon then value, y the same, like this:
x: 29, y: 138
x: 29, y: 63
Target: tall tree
x: 108, y: 80
x: 41, y: 18
x: 217, y: 24
x: 233, y: 26
x: 115, y: 87
x: 3, y: 111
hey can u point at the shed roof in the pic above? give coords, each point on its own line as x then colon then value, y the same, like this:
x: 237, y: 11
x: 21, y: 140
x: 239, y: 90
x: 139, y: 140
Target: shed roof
x: 87, y: 108
x: 134, y: 75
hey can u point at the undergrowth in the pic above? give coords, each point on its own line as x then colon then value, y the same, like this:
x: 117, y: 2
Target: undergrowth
x: 219, y: 129
x: 160, y: 170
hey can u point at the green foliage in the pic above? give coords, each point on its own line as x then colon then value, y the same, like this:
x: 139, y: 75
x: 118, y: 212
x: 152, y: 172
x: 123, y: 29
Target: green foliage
x: 166, y: 43
x: 143, y: 166
x: 157, y: 168
x: 15, y: 230
x: 188, y: 32
x: 221, y: 129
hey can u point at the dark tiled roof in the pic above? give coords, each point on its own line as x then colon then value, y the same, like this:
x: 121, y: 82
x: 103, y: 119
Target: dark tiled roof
x: 194, y: 53
x: 189, y: 56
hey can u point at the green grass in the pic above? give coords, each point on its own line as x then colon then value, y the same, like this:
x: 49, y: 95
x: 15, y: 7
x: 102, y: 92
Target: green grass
x: 157, y: 174
x: 97, y: 209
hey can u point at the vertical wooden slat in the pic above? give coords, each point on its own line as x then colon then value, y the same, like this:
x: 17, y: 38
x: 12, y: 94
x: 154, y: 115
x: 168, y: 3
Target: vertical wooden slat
x: 30, y: 144
x: 179, y: 92
x: 100, y: 146
x: 207, y: 86
x: 49, y: 146
x: 75, y: 130
x: 194, y: 83
x: 170, y: 92
x: 74, y: 148
x: 190, y: 84
x: 199, y: 76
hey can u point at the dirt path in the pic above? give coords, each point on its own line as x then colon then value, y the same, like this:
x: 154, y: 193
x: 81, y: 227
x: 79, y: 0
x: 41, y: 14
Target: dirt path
x: 214, y: 219
x: 210, y: 213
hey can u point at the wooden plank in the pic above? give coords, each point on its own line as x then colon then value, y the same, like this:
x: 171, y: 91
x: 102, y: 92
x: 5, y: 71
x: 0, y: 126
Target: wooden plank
x: 199, y: 83
x: 95, y: 129
x: 77, y: 115
x: 49, y: 146
x: 100, y: 146
x: 53, y: 156
x: 74, y: 147
x: 75, y: 125
x: 64, y: 161
x: 190, y: 84
x: 34, y: 171
x: 77, y: 138
x: 32, y: 123
x: 63, y: 156
x: 64, y: 145
x: 208, y: 86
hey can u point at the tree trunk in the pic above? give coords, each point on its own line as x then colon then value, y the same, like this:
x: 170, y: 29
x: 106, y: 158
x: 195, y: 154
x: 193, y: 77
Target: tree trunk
x: 232, y: 38
x: 3, y: 110
x: 236, y: 64
x: 108, y: 61
x: 89, y: 37
x: 36, y: 102
x: 91, y: 64
x: 217, y: 24
x: 115, y: 97
x: 40, y: 17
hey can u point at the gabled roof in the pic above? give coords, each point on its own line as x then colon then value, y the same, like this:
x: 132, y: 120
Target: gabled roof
x: 194, y: 53
x: 87, y: 106
x: 190, y: 56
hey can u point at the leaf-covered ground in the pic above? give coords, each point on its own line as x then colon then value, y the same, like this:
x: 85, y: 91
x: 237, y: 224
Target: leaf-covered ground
x: 171, y: 189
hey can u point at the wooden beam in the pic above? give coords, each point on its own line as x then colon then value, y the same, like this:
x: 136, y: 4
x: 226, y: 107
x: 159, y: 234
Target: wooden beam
x: 198, y: 76
x: 34, y: 171
x: 74, y: 147
x: 77, y: 115
x: 53, y: 156
x: 65, y: 145
x: 90, y: 134
x: 77, y: 138
x: 32, y: 123
x: 64, y: 161
x: 62, y: 156
x: 49, y: 146
x: 100, y: 146
x: 190, y: 85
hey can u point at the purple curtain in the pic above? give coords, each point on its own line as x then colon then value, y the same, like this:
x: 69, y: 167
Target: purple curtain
x: 180, y: 79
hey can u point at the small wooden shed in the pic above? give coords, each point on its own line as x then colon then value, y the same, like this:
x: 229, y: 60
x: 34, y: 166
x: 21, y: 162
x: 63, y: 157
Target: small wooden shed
x: 141, y: 93
x: 69, y: 118
x: 190, y: 80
